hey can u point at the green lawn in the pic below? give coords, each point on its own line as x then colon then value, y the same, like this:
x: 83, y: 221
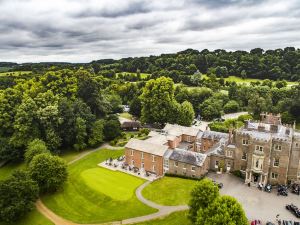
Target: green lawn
x: 176, y: 218
x: 7, y: 169
x: 169, y: 191
x: 143, y: 75
x: 94, y: 195
x: 32, y: 218
x: 126, y: 115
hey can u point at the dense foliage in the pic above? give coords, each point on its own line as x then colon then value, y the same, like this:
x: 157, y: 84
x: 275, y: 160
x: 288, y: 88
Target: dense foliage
x: 17, y: 196
x: 208, y: 207
x: 49, y: 171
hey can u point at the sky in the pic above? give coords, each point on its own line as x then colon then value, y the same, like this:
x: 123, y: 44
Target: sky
x: 86, y: 30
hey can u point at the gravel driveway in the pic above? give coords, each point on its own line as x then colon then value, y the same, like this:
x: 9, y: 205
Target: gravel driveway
x: 257, y: 204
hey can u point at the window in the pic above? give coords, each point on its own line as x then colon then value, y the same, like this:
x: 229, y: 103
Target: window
x: 184, y: 166
x: 245, y: 142
x: 259, y: 148
x: 274, y: 175
x: 256, y: 163
x: 229, y: 153
x: 153, y: 158
x: 297, y: 145
x: 228, y: 164
x: 153, y: 168
x: 217, y: 163
x: 176, y: 164
x: 244, y: 156
x: 131, y: 153
x: 193, y: 168
x: 277, y: 147
x: 166, y: 163
x: 142, y: 155
x: 142, y: 166
x: 276, y: 162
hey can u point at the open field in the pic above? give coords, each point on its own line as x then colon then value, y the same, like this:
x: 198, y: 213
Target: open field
x: 143, y: 75
x: 94, y: 195
x: 246, y: 80
x: 32, y: 218
x: 177, y: 218
x: 15, y: 73
x: 169, y: 191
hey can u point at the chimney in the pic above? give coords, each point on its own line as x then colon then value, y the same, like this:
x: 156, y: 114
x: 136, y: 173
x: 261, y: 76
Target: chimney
x: 261, y: 127
x: 230, y: 136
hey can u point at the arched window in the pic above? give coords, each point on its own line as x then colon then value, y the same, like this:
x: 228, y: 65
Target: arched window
x: 256, y: 164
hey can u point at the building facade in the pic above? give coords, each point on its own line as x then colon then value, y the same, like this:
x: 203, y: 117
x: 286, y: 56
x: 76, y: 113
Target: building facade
x: 265, y: 151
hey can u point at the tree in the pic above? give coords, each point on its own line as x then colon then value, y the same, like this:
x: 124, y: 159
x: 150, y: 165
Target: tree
x: 158, y: 101
x: 112, y: 128
x: 223, y: 210
x: 17, y: 196
x: 231, y: 107
x: 186, y: 114
x: 81, y: 134
x: 50, y: 172
x: 34, y: 148
x: 8, y: 151
x: 97, y: 135
x: 203, y: 194
x: 135, y: 107
x: 211, y: 108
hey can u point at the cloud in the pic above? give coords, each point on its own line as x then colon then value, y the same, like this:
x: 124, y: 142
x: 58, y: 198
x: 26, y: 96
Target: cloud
x: 85, y: 30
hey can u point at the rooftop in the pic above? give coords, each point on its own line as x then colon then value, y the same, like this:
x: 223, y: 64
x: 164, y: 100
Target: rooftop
x: 213, y: 135
x: 177, y: 130
x: 145, y: 146
x: 189, y: 157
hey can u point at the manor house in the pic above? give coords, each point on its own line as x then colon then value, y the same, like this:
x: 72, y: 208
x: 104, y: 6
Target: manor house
x: 266, y: 151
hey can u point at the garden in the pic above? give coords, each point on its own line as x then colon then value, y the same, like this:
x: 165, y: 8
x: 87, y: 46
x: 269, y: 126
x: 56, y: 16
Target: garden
x: 92, y: 193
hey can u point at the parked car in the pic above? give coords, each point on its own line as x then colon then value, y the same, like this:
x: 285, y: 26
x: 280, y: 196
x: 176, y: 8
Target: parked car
x: 293, y: 209
x: 270, y: 223
x: 268, y: 188
x: 282, y: 190
x: 295, y: 188
x: 285, y: 222
x: 256, y: 222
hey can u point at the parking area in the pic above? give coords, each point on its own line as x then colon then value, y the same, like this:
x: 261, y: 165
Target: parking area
x: 257, y: 204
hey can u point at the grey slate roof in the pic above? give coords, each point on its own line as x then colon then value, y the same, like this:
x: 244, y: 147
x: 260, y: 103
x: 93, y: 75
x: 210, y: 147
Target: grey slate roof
x: 213, y: 135
x: 189, y: 157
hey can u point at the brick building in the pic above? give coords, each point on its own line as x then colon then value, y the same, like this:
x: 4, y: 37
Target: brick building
x: 265, y: 151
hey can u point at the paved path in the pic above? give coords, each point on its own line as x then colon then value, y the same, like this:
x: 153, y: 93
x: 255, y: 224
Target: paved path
x: 162, y: 210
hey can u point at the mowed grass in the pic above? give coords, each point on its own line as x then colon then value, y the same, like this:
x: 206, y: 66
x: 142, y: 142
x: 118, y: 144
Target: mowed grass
x: 169, y: 191
x: 176, y: 218
x: 32, y: 218
x: 95, y: 195
x: 113, y: 184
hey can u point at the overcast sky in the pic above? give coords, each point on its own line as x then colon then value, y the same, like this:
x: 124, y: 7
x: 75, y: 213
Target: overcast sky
x: 85, y: 30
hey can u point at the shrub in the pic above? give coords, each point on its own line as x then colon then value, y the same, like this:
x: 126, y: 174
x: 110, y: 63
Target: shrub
x: 231, y: 106
x: 50, y: 172
x: 34, y: 148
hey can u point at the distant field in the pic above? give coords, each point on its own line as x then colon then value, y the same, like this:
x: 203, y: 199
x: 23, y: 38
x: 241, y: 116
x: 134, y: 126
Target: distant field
x: 15, y: 73
x: 143, y: 75
x: 4, y: 69
x: 245, y: 81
